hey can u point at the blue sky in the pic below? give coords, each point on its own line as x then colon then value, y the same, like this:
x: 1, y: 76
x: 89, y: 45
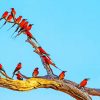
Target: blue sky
x: 69, y: 30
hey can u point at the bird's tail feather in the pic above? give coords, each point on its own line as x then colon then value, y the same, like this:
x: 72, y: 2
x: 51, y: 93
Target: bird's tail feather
x: 13, y: 74
x: 1, y: 19
x: 15, y: 31
x: 11, y: 26
x: 3, y: 24
x: 56, y: 67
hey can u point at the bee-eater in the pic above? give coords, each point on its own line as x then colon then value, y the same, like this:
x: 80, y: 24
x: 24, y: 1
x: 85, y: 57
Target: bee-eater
x: 13, y: 13
x: 9, y: 19
x: 84, y: 82
x: 30, y: 36
x: 18, y: 67
x: 17, y: 21
x: 39, y: 50
x: 47, y: 60
x: 35, y: 72
x: 19, y: 76
x: 26, y: 27
x: 29, y: 27
x: 23, y: 27
x: 20, y: 24
x: 5, y: 15
x: 62, y: 75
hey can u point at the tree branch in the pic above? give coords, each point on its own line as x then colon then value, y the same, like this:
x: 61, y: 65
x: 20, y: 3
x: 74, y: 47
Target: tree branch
x: 66, y: 86
x: 44, y: 82
x: 47, y: 67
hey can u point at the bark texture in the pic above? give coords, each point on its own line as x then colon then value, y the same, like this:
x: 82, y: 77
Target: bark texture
x: 65, y: 86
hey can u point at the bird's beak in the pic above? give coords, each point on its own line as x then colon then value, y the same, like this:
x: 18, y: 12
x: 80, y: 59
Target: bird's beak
x: 88, y: 78
x: 25, y: 19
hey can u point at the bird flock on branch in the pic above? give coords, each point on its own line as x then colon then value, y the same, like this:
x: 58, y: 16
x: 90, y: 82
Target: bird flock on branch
x: 23, y: 27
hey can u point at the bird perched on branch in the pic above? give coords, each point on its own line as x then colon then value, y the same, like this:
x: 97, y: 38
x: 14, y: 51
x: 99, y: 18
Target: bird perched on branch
x: 18, y: 67
x: 17, y: 21
x: 8, y: 19
x: 47, y: 60
x: 19, y: 76
x: 62, y: 75
x: 29, y: 27
x: 83, y: 83
x: 26, y: 27
x: 21, y: 24
x: 13, y: 13
x: 5, y: 15
x: 39, y: 50
x: 23, y: 28
x: 28, y: 34
x: 35, y: 72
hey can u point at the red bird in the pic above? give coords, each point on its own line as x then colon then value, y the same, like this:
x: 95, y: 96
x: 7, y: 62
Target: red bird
x: 13, y: 13
x: 19, y: 76
x: 62, y: 75
x: 26, y: 27
x: 29, y: 35
x: 19, y: 66
x: 29, y: 27
x: 23, y: 27
x: 4, y: 16
x: 17, y: 21
x: 20, y: 24
x: 9, y: 18
x: 39, y: 50
x: 48, y: 61
x: 35, y: 72
x: 83, y: 83
x: 1, y: 68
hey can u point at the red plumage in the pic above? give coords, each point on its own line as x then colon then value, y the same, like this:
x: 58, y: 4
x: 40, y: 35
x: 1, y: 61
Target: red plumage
x: 21, y: 24
x: 5, y: 14
x: 35, y: 72
x: 42, y: 51
x: 25, y: 25
x: 19, y: 76
x: 29, y: 27
x: 29, y: 34
x: 13, y: 12
x: 0, y: 66
x: 19, y: 66
x: 84, y: 83
x: 17, y: 20
x: 62, y: 75
x: 9, y: 18
x: 47, y: 60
